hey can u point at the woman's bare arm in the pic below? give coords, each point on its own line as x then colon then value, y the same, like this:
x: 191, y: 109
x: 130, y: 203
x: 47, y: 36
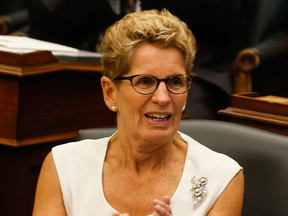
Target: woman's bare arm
x: 231, y: 200
x: 48, y: 199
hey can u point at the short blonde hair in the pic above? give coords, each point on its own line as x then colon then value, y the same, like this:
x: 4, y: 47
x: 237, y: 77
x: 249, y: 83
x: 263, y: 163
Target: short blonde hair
x: 159, y: 28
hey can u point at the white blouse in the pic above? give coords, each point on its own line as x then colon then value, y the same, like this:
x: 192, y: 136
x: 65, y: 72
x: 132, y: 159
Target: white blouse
x: 79, y: 166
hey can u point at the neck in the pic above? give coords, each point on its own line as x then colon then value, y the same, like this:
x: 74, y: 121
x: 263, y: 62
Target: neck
x: 143, y: 157
x: 149, y: 157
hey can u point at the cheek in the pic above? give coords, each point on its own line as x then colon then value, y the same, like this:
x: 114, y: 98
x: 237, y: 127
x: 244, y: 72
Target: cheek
x: 180, y: 102
x: 131, y: 106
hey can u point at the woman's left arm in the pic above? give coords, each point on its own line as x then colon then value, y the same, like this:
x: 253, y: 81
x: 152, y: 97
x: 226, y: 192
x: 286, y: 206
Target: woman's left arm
x: 231, y: 200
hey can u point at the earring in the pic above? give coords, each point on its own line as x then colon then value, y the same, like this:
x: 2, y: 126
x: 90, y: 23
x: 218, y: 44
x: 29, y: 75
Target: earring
x: 113, y: 108
x: 183, y: 108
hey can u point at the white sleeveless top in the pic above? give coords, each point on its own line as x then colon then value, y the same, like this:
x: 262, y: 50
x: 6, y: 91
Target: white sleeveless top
x: 79, y: 166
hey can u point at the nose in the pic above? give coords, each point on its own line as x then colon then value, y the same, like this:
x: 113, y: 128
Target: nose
x: 161, y: 95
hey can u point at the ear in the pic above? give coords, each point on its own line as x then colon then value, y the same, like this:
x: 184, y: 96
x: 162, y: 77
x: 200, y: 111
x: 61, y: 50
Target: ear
x: 109, y: 90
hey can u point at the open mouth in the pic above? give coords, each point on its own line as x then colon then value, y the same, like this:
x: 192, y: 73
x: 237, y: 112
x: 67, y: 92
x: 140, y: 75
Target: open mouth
x: 158, y: 117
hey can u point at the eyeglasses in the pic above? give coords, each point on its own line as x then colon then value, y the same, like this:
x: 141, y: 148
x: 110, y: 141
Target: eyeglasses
x: 147, y: 84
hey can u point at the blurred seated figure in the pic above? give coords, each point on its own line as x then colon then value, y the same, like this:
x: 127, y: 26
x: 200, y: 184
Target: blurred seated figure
x: 76, y: 23
x: 222, y: 29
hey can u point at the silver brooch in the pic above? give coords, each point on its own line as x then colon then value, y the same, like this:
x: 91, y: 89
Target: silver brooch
x: 199, y: 190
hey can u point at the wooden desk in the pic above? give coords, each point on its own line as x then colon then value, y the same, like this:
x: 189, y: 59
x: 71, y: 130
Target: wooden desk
x: 43, y: 103
x: 264, y: 112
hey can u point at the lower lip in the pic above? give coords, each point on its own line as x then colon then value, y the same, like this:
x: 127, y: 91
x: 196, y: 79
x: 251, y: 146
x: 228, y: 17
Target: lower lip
x: 158, y: 122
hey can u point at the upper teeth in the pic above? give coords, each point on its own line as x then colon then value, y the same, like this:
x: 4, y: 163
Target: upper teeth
x: 158, y: 115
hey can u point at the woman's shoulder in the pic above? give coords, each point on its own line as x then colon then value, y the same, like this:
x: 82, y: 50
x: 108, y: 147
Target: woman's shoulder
x: 81, y: 156
x: 204, y: 155
x: 81, y: 145
x: 84, y: 150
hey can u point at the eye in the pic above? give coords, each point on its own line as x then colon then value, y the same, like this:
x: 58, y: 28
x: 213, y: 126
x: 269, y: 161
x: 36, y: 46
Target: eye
x: 176, y: 82
x: 144, y: 81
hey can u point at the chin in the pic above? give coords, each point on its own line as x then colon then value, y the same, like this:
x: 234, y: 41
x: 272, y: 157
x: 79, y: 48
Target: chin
x: 160, y: 135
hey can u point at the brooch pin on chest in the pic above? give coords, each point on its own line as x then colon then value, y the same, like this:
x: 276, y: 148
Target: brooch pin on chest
x: 199, y: 191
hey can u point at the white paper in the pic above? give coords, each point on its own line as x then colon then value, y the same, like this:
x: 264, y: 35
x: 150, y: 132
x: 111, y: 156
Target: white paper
x: 20, y: 44
x: 25, y: 43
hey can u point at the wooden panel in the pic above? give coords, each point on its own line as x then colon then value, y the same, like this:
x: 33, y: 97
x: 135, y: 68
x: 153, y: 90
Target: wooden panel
x: 264, y: 112
x: 9, y: 88
x: 58, y: 103
x: 50, y: 100
x: 25, y: 59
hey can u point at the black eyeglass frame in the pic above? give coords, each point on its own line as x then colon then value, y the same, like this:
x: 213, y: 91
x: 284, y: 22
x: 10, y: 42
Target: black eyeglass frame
x: 193, y: 78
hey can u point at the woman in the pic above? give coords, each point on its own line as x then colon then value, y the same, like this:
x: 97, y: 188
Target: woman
x: 147, y: 167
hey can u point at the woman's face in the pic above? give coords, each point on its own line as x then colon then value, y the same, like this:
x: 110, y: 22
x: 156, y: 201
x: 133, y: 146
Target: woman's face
x: 153, y: 117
